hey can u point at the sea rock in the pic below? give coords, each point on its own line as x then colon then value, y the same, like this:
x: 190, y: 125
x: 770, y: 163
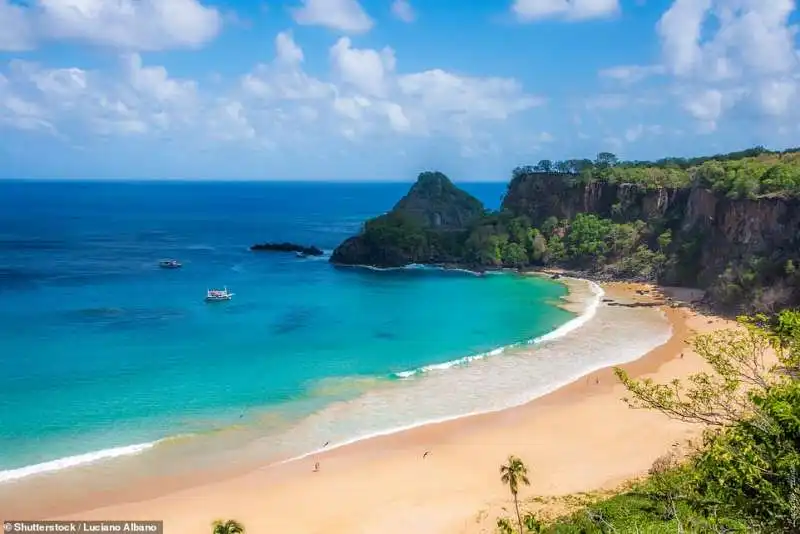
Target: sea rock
x: 421, y: 228
x: 287, y: 247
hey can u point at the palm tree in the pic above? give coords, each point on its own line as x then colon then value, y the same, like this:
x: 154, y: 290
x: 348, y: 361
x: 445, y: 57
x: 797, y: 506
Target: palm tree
x: 514, y: 473
x: 231, y: 526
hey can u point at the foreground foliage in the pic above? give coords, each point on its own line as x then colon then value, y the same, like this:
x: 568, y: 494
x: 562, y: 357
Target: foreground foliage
x: 746, y: 475
x: 230, y: 526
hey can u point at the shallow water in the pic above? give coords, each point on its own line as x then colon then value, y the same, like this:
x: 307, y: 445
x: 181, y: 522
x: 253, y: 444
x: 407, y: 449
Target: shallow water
x: 103, y: 353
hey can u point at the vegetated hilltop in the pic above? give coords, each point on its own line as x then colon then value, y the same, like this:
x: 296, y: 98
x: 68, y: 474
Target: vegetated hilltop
x: 425, y: 226
x: 728, y: 223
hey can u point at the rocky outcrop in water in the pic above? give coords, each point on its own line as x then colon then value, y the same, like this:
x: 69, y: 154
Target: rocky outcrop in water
x: 287, y: 247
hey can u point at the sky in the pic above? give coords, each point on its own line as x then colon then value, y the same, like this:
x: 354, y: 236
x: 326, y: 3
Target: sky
x: 383, y: 89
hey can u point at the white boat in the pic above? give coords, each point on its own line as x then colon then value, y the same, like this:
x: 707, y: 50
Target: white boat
x: 215, y: 295
x: 170, y: 264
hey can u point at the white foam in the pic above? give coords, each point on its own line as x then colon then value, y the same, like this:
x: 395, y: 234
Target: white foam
x: 569, y: 374
x: 325, y: 256
x: 561, y: 331
x: 580, y: 320
x: 73, y: 461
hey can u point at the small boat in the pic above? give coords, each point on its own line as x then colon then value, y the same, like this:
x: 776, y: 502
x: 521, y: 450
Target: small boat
x: 216, y: 295
x: 300, y: 254
x: 170, y: 264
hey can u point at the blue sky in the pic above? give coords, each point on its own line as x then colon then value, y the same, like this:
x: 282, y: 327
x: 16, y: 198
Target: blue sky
x: 381, y: 89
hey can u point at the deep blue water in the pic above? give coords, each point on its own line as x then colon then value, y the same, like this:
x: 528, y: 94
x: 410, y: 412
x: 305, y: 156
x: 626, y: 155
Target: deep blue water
x: 101, y: 348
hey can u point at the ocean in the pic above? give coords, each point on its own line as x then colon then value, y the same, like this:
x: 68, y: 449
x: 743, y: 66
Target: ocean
x: 104, y: 354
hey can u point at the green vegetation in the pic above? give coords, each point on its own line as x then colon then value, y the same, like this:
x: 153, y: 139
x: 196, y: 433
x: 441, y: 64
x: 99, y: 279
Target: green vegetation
x: 512, y: 475
x: 230, y: 526
x: 745, y: 174
x: 746, y: 475
x: 502, y: 240
x: 727, y: 223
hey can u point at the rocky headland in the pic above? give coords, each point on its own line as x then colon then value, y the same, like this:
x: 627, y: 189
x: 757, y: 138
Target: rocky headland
x: 676, y: 222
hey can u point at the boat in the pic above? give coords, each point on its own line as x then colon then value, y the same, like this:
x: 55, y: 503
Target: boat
x: 301, y: 254
x: 216, y: 295
x: 170, y: 264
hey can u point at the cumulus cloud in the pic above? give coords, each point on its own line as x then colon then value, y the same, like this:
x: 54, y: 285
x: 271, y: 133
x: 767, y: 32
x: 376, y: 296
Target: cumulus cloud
x: 135, y: 100
x: 366, y: 70
x: 531, y: 10
x: 725, y: 57
x: 402, y: 10
x: 125, y: 24
x: 274, y: 104
x: 344, y: 15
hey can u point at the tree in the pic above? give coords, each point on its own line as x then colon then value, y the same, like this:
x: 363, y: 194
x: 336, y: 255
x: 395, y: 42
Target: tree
x: 739, y: 363
x: 513, y: 474
x: 514, y: 255
x: 605, y: 160
x: 749, y: 468
x: 664, y: 240
x: 544, y: 165
x: 231, y: 526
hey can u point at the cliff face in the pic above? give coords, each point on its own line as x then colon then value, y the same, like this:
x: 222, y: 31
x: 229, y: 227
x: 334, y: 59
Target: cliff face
x: 423, y: 227
x: 543, y: 195
x: 715, y: 239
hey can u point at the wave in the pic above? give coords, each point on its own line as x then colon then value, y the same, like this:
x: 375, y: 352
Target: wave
x: 424, y: 267
x: 561, y: 331
x: 326, y: 255
x: 74, y: 461
x: 343, y: 386
x: 582, y: 319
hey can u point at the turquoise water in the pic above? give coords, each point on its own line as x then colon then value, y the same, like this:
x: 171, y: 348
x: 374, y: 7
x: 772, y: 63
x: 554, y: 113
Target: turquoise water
x: 100, y: 349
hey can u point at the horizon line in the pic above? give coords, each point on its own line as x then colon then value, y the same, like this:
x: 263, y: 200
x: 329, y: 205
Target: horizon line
x: 243, y: 180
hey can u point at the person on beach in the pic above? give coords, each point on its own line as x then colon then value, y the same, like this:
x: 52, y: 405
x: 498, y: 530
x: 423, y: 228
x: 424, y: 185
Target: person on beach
x: 316, y: 467
x: 426, y: 454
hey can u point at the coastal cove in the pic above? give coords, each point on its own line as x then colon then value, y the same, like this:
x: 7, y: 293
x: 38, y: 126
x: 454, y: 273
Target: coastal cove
x: 153, y: 382
x: 262, y: 497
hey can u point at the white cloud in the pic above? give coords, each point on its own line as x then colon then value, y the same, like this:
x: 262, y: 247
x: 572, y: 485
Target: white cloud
x: 125, y: 24
x: 135, y: 100
x: 530, y: 10
x: 275, y: 104
x: 287, y: 50
x: 629, y: 74
x: 343, y: 15
x: 15, y: 30
x: 365, y: 69
x: 752, y: 36
x: 633, y: 133
x: 774, y: 97
x: 607, y: 101
x: 706, y: 106
x: 402, y: 10
x: 485, y: 98
x: 732, y: 55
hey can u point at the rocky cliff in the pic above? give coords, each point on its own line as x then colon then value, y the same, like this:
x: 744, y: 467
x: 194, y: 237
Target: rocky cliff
x: 754, y: 243
x: 421, y: 228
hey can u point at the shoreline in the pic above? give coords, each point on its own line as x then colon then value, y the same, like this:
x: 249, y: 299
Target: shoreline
x: 582, y: 309
x: 428, y: 433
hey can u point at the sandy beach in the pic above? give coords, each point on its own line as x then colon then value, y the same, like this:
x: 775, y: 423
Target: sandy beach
x: 579, y: 438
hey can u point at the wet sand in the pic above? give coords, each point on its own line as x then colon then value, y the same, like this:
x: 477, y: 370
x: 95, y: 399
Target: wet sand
x: 581, y: 437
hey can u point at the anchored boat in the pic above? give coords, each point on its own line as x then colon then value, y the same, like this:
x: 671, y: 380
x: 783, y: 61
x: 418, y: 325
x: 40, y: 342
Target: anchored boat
x: 170, y: 264
x: 216, y: 295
